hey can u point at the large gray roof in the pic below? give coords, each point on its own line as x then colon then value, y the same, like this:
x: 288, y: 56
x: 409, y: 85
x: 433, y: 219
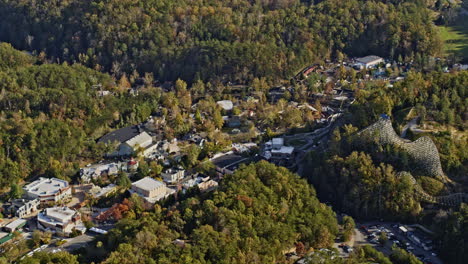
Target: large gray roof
x: 45, y: 186
x: 227, y: 160
x: 120, y: 135
x: 148, y: 184
x: 368, y: 59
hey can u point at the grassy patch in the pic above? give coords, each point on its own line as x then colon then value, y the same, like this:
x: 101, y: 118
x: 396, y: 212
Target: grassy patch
x: 456, y: 38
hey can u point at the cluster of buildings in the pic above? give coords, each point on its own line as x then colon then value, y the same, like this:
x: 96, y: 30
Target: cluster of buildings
x: 137, y: 141
x: 174, y: 179
x: 42, y: 193
x: 94, y: 171
x: 55, y: 219
x: 142, y: 140
x: 129, y: 142
x: 276, y: 152
x: 37, y: 193
x: 204, y: 183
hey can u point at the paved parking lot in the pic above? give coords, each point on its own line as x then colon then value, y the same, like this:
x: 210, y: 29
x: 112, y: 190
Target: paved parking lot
x: 392, y: 228
x: 72, y: 243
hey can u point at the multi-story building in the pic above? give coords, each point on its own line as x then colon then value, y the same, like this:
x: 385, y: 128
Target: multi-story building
x: 23, y: 207
x: 151, y: 190
x: 276, y: 152
x: 173, y: 175
x: 45, y: 190
x: 128, y: 141
x: 60, y: 220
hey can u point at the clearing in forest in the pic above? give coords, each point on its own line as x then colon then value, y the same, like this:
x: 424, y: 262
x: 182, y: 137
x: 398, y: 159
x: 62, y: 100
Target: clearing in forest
x: 455, y: 38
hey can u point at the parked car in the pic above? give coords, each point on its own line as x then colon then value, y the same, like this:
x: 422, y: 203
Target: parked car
x: 347, y: 249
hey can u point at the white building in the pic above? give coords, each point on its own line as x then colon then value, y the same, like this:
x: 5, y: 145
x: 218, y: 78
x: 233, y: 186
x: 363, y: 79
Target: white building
x: 60, y: 220
x: 284, y: 152
x: 15, y: 225
x: 275, y: 150
x: 94, y: 171
x: 23, y: 207
x: 208, y: 185
x: 151, y: 190
x: 173, y: 175
x: 227, y: 105
x: 141, y: 141
x: 369, y: 61
x: 44, y: 189
x: 277, y: 143
x: 205, y: 184
x: 129, y: 140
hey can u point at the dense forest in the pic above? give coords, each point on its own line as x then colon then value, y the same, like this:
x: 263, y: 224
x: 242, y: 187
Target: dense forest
x: 363, y: 254
x: 51, y: 115
x: 452, y: 231
x: 52, y: 110
x: 226, y: 40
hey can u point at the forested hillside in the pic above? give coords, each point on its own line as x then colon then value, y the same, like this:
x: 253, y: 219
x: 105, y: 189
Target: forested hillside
x: 208, y: 39
x: 258, y: 212
x: 439, y: 100
x: 362, y: 177
x: 51, y: 115
x: 366, y: 179
x: 90, y: 67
